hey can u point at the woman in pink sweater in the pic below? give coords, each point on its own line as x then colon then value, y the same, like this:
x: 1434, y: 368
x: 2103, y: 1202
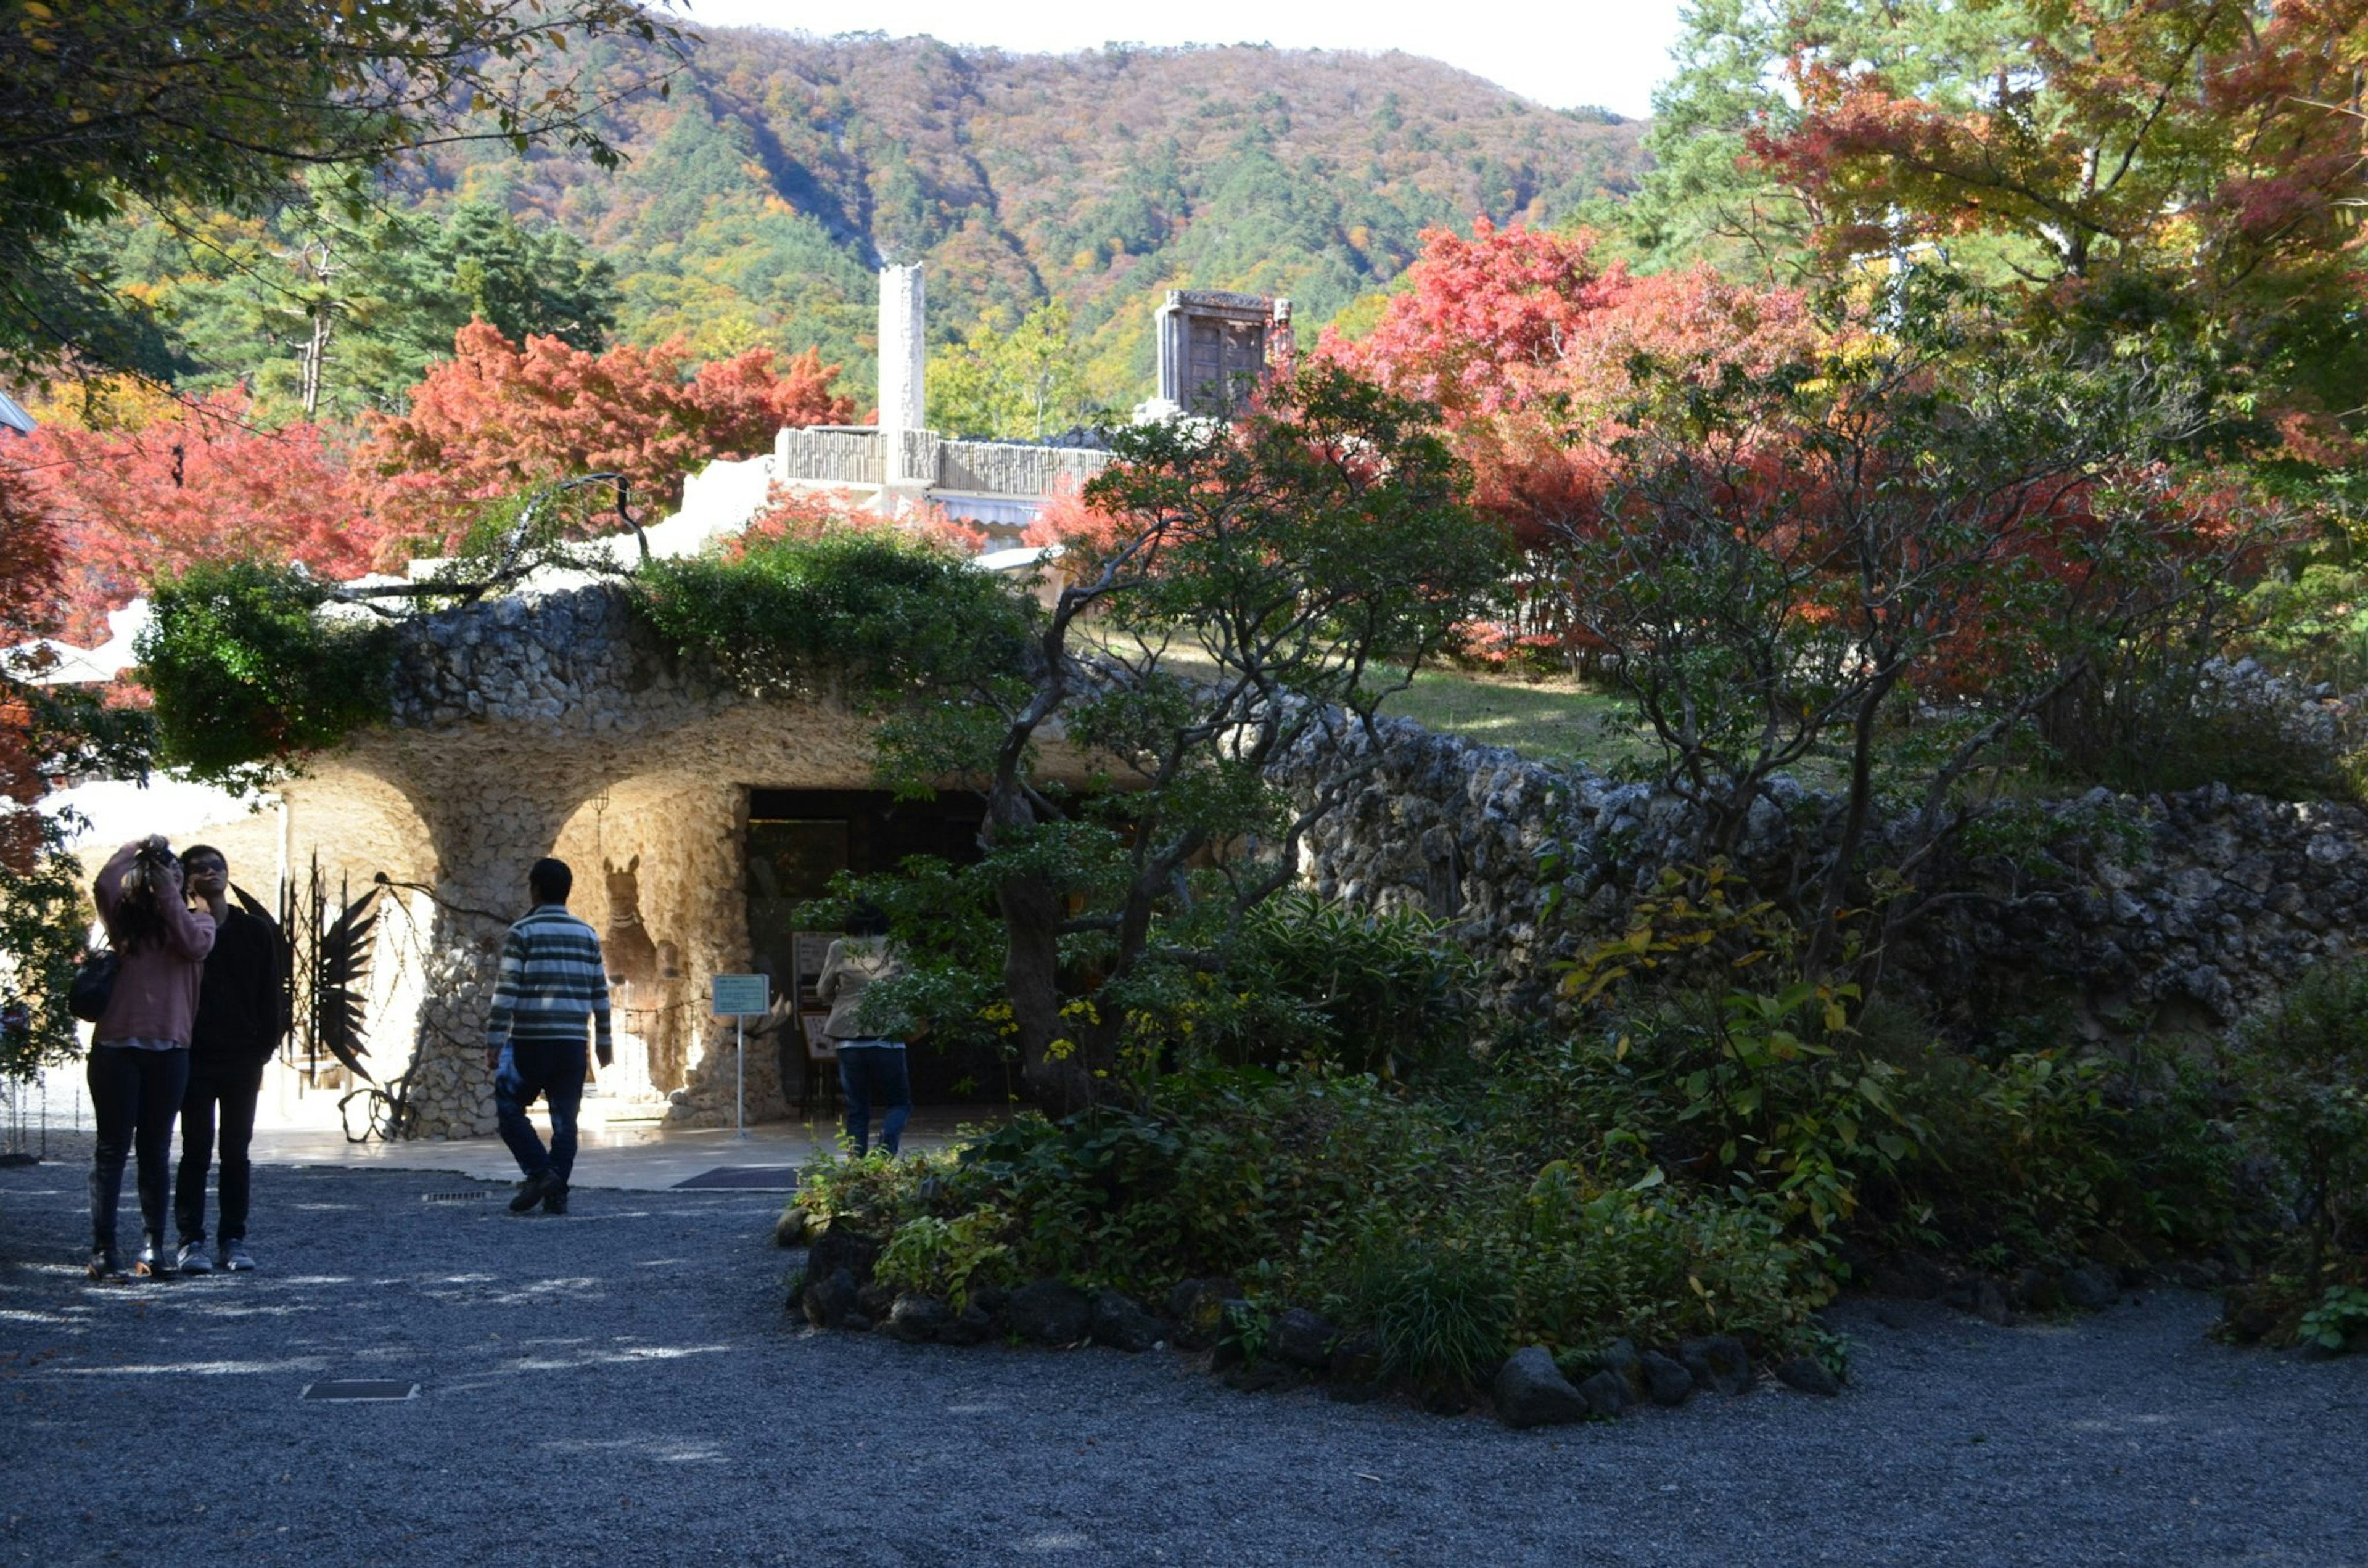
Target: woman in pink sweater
x: 139, y: 1048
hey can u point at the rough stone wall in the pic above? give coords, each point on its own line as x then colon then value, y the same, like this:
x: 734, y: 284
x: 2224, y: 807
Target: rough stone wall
x: 2222, y: 899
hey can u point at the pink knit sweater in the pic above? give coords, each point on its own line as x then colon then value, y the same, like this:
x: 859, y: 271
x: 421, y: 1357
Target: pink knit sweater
x: 155, y: 993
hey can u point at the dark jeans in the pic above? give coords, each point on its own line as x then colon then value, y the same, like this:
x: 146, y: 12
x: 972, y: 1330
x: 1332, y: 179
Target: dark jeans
x: 554, y: 1070
x: 233, y: 1088
x: 135, y: 1095
x: 870, y: 1071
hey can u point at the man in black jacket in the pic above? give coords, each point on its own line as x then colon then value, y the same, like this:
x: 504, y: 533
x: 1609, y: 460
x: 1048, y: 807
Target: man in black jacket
x: 241, y: 1018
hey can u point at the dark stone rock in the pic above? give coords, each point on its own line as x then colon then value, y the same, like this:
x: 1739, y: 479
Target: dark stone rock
x: 829, y: 1298
x: 1259, y: 1377
x: 1718, y: 1362
x: 1354, y: 1393
x: 1445, y: 1399
x: 837, y: 1248
x: 1620, y: 1358
x: 875, y: 1301
x: 1356, y: 1360
x: 1810, y: 1376
x: 975, y: 1325
x: 919, y: 1319
x: 1197, y: 1309
x: 1607, y: 1394
x: 856, y: 1323
x: 1301, y: 1338
x: 1666, y: 1382
x: 1910, y: 1277
x: 2037, y: 1290
x: 789, y: 1230
x: 2091, y: 1287
x: 1532, y: 1392
x: 1980, y: 1295
x: 991, y: 1299
x: 1051, y: 1313
x: 1121, y: 1323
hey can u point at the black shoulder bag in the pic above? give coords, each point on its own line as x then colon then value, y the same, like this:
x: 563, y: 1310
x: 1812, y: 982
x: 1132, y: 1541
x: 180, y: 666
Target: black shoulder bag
x: 94, y: 983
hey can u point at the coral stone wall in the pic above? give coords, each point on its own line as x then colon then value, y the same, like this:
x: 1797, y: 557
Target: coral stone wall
x: 2209, y: 902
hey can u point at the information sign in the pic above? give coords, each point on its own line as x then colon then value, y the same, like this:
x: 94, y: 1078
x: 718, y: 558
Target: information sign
x: 741, y: 995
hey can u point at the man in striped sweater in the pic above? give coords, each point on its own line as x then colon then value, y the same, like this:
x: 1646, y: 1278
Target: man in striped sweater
x: 552, y: 976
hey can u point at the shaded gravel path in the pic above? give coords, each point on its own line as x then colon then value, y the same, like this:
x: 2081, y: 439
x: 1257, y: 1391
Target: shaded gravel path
x: 621, y: 1386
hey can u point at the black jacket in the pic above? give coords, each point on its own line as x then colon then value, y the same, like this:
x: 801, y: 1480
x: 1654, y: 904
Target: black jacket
x: 241, y: 1017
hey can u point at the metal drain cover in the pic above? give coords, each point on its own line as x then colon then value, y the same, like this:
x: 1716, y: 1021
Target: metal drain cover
x: 452, y: 1196
x: 353, y: 1388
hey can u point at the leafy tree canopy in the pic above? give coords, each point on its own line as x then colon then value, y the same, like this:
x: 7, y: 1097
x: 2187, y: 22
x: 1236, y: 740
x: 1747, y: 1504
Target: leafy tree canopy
x: 168, y: 105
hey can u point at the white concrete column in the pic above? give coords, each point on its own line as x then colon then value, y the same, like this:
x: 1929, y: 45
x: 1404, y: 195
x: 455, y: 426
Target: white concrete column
x: 902, y: 401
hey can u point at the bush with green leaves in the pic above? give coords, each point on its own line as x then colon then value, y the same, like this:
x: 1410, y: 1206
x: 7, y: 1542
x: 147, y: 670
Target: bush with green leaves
x: 1368, y: 991
x: 1440, y: 1313
x: 1655, y: 1261
x: 248, y: 675
x: 861, y: 614
x: 2301, y: 1067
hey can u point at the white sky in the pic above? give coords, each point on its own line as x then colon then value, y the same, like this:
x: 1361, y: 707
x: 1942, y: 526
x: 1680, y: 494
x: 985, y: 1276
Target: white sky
x: 1610, y: 52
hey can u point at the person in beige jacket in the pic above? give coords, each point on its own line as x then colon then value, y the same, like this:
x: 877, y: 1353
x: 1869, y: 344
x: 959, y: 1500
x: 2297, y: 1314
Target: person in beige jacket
x: 870, y: 1039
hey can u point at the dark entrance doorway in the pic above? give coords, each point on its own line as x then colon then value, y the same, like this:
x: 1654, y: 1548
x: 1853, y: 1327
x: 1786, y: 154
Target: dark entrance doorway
x: 800, y: 839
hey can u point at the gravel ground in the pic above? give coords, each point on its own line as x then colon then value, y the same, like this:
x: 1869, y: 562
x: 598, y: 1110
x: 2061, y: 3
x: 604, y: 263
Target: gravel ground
x: 623, y: 1386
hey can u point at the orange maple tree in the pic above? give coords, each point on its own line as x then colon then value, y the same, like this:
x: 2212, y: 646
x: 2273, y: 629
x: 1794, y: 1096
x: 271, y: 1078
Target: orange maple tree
x: 499, y: 418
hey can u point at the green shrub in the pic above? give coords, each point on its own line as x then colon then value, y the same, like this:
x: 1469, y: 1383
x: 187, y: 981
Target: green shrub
x: 1654, y: 1262
x: 1387, y: 993
x: 872, y: 1194
x: 948, y: 1259
x: 1439, y: 1312
x: 2302, y: 1069
x: 2340, y: 1313
x: 249, y: 675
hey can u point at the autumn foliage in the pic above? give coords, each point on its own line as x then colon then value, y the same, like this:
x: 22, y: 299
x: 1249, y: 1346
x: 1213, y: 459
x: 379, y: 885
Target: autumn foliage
x: 1528, y: 346
x: 200, y: 483
x: 797, y: 513
x: 28, y: 577
x: 499, y: 418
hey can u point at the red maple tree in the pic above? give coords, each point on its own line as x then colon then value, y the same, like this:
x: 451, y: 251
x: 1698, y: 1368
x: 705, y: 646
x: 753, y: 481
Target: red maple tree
x: 203, y: 482
x: 29, y: 587
x: 499, y: 418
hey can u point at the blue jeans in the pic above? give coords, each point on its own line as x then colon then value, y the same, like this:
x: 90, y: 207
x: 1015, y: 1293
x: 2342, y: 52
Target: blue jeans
x: 870, y: 1069
x: 135, y: 1097
x: 553, y: 1069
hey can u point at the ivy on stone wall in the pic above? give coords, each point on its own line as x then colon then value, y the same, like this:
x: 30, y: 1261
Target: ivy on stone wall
x: 867, y: 617
x: 248, y: 675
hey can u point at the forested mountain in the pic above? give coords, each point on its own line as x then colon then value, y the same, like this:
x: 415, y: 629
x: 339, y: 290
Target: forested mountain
x: 762, y: 192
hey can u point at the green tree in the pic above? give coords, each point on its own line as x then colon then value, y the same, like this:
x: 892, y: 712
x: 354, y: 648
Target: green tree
x: 1234, y: 596
x: 170, y: 106
x: 1011, y: 380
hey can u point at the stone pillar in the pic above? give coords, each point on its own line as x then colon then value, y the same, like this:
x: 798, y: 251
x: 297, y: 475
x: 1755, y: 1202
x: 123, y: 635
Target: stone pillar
x: 486, y: 835
x: 902, y: 403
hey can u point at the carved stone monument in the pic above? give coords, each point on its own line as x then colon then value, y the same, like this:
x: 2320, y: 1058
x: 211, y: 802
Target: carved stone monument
x: 903, y: 416
x: 1213, y: 348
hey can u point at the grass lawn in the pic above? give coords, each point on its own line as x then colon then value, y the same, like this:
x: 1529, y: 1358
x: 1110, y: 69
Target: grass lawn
x: 1557, y: 717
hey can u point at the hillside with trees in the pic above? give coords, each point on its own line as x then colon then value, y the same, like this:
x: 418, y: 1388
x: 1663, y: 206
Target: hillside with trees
x: 761, y: 191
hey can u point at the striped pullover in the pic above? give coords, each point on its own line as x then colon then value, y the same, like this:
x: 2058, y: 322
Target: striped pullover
x: 552, y: 975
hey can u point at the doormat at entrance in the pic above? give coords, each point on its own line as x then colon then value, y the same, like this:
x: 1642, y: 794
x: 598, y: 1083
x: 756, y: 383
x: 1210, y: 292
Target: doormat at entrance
x: 747, y: 1178
x: 353, y: 1388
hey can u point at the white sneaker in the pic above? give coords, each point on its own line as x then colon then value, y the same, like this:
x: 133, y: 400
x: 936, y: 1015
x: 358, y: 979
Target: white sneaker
x: 192, y: 1258
x: 233, y: 1257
